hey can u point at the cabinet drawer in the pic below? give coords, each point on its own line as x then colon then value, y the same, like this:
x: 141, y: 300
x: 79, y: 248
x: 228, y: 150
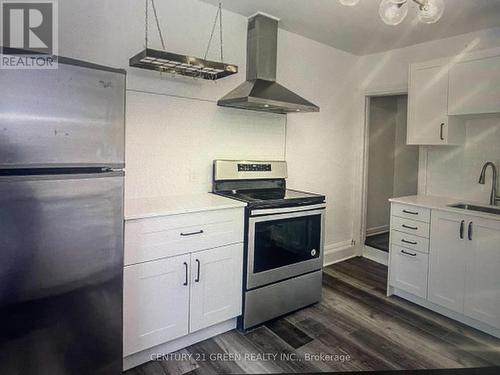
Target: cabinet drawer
x: 411, y: 212
x: 160, y: 237
x: 410, y: 241
x: 409, y: 270
x: 417, y: 228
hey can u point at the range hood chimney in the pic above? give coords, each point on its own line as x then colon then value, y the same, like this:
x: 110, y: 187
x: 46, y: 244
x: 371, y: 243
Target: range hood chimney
x: 261, y: 92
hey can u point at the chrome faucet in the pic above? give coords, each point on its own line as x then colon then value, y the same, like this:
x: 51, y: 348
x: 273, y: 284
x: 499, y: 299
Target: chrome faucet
x: 494, y: 198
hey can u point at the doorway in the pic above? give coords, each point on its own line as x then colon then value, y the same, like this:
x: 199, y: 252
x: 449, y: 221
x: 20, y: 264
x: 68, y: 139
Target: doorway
x: 392, y: 169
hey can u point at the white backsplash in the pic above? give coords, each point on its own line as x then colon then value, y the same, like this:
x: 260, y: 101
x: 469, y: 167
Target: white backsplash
x: 454, y: 171
x: 171, y: 142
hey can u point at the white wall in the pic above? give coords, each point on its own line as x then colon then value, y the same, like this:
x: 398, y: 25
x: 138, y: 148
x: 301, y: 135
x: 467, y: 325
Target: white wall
x: 381, y: 161
x: 319, y: 145
x: 406, y: 161
x: 175, y: 129
x: 454, y: 171
x: 392, y: 164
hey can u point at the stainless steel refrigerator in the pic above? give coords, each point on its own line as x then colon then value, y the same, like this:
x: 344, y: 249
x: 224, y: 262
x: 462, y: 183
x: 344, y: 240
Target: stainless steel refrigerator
x: 61, y: 220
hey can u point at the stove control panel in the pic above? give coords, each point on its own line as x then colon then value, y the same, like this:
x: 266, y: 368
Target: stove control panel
x: 254, y: 168
x: 233, y: 170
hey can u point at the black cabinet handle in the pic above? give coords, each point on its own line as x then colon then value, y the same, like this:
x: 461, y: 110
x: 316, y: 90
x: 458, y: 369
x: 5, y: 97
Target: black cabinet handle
x: 409, y: 242
x: 462, y: 229
x: 408, y: 227
x: 186, y: 281
x: 441, y: 131
x: 407, y: 253
x: 192, y: 233
x: 410, y: 212
x: 469, y: 232
x: 197, y: 280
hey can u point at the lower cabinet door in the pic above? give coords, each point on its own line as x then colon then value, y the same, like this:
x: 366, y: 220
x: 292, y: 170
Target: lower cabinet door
x: 447, y: 260
x: 156, y: 303
x: 482, y: 283
x: 216, y: 286
x: 409, y: 270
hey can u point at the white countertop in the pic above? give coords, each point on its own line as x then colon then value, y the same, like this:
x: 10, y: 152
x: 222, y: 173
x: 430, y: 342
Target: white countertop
x: 141, y: 208
x: 442, y: 203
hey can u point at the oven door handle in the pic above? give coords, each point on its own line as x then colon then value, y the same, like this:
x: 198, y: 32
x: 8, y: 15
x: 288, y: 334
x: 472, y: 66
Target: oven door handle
x: 272, y: 211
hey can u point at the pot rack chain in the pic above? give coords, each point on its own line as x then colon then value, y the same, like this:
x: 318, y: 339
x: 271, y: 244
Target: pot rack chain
x: 157, y: 25
x: 218, y: 17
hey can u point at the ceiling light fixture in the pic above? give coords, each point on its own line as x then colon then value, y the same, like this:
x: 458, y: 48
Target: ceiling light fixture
x: 393, y: 12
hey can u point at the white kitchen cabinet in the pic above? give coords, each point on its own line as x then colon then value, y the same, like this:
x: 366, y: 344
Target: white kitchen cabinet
x: 412, y: 227
x: 165, y: 236
x: 474, y: 86
x: 482, y: 283
x: 409, y: 270
x: 156, y: 303
x: 216, y: 286
x: 428, y: 120
x: 410, y: 241
x: 411, y: 212
x: 448, y: 245
x: 428, y: 105
x: 183, y: 276
x: 462, y: 280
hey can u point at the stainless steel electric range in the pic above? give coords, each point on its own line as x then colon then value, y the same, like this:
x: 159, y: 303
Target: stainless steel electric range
x: 284, y: 232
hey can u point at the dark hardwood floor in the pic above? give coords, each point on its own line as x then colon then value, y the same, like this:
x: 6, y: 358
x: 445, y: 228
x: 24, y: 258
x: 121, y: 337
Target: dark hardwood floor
x: 379, y: 241
x: 356, y: 324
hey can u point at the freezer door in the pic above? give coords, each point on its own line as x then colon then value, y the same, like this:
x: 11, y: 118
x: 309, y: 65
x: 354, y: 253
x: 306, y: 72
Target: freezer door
x: 61, y: 271
x: 68, y: 117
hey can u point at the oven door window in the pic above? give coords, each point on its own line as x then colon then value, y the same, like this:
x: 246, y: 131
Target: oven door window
x: 279, y: 243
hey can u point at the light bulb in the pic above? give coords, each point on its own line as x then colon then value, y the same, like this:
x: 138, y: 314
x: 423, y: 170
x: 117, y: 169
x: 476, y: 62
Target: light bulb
x: 349, y: 3
x: 393, y: 13
x: 431, y: 11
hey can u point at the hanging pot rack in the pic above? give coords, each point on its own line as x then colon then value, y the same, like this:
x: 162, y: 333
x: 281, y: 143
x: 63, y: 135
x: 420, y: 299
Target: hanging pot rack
x: 184, y: 65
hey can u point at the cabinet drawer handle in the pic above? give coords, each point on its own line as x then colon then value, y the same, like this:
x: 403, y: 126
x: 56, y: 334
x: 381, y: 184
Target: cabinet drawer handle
x: 407, y: 253
x: 409, y: 227
x: 462, y: 223
x: 409, y: 242
x: 192, y: 233
x: 469, y: 232
x: 186, y: 280
x: 197, y: 280
x: 410, y: 212
x: 441, y: 132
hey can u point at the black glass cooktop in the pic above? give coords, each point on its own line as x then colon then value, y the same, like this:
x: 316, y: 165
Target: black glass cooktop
x: 274, y: 197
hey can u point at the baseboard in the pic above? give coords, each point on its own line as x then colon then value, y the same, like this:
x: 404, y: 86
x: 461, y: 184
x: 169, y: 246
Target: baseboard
x: 376, y: 255
x: 338, y: 252
x: 448, y: 313
x: 377, y: 230
x: 156, y: 352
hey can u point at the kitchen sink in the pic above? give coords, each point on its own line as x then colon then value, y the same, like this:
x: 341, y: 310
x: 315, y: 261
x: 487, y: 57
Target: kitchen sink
x: 471, y: 207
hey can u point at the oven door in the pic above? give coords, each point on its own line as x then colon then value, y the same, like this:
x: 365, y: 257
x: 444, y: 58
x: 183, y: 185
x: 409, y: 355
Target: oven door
x: 284, y: 245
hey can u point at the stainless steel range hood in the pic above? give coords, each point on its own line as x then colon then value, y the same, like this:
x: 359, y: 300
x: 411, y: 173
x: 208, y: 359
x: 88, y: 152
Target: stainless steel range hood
x: 261, y: 92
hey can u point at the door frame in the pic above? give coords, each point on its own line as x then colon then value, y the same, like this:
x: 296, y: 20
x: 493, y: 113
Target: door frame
x: 363, y: 164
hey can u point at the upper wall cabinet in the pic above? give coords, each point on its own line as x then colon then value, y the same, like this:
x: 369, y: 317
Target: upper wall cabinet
x: 443, y: 93
x: 475, y: 86
x: 428, y: 120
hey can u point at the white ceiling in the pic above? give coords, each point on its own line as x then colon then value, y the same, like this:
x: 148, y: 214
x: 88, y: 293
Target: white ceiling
x: 359, y: 29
